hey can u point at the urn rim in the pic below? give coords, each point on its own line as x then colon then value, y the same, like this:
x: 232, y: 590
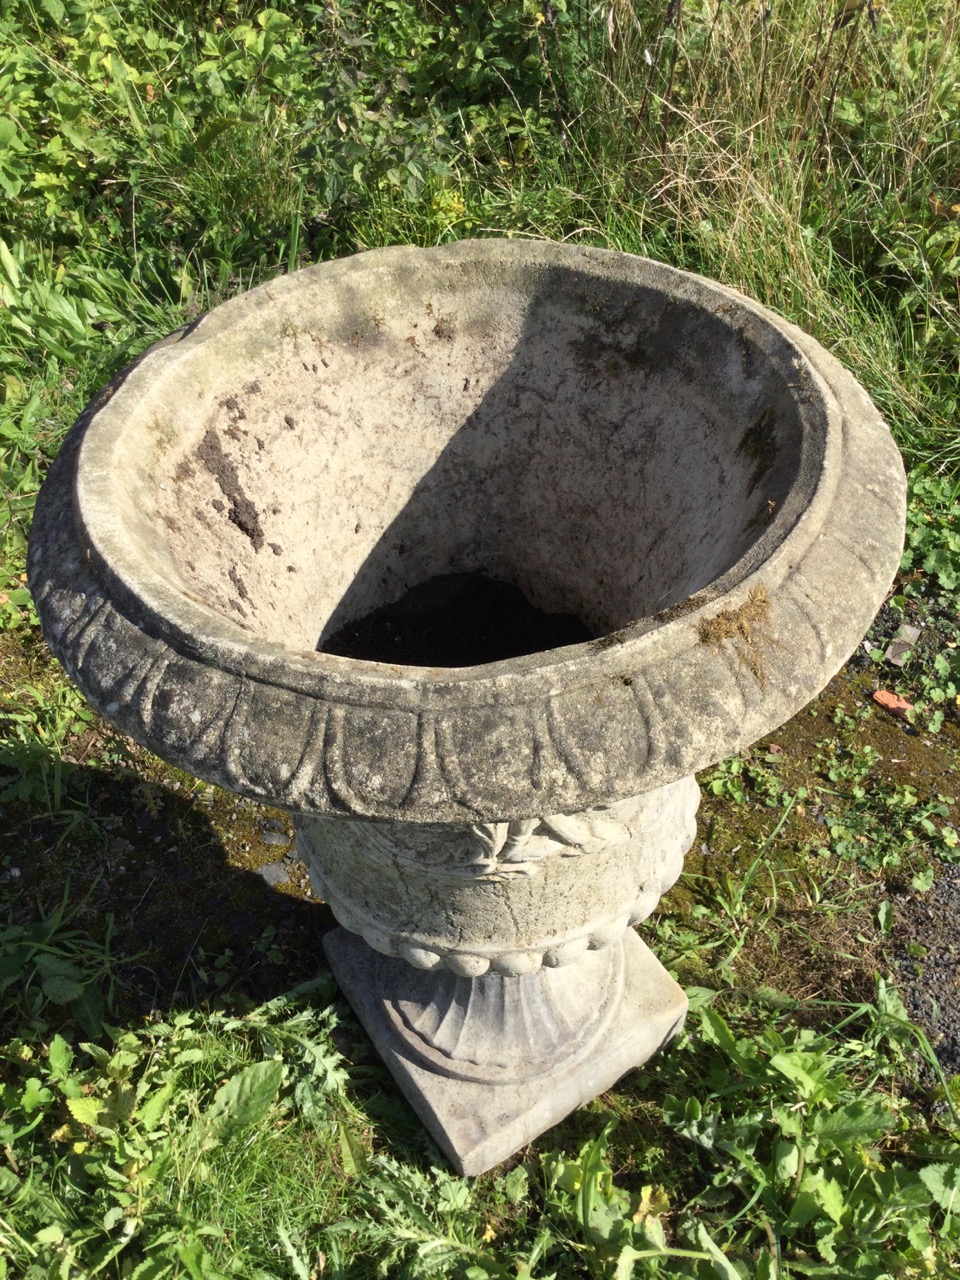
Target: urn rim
x: 688, y: 693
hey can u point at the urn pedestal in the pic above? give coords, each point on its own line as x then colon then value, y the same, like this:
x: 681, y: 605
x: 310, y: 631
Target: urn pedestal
x: 695, y: 479
x: 493, y: 964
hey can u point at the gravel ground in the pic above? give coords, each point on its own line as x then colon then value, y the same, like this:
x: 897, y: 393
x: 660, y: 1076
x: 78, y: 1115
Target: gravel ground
x: 927, y: 942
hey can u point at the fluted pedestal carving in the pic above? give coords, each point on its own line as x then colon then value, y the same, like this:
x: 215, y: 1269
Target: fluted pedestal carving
x: 480, y: 1112
x: 494, y: 966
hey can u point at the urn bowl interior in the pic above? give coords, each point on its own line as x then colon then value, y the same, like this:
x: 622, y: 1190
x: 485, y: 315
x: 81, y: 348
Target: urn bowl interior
x: 611, y: 441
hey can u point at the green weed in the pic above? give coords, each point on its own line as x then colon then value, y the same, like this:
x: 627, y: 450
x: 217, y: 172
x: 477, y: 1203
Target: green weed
x: 126, y: 1150
x: 48, y: 963
x: 156, y: 160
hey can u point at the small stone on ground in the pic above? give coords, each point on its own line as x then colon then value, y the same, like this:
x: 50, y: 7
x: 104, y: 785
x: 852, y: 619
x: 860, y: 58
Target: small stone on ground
x: 275, y: 837
x: 275, y: 873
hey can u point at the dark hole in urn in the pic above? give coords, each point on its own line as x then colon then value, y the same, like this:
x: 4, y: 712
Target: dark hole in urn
x: 456, y: 620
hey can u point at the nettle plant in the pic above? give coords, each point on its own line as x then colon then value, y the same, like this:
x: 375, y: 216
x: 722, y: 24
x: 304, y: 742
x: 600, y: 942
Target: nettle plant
x: 118, y: 1133
x: 794, y: 1139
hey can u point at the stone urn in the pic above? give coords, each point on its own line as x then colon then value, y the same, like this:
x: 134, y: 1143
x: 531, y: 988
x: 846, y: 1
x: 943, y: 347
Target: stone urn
x: 697, y: 481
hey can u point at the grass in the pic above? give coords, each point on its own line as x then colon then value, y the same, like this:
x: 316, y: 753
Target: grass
x: 182, y: 1093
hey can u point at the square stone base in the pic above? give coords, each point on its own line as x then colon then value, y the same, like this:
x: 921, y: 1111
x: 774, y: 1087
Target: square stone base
x: 477, y: 1125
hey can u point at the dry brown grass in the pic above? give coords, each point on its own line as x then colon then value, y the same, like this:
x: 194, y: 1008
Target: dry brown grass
x: 748, y: 626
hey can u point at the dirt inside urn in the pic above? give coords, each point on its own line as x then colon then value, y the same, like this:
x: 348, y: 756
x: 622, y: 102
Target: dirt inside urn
x: 455, y: 620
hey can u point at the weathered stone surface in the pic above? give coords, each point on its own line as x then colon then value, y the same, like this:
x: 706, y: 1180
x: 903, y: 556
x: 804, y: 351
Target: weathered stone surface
x: 698, y: 480
x: 483, y: 1094
x: 510, y: 896
x: 275, y: 873
x: 695, y: 479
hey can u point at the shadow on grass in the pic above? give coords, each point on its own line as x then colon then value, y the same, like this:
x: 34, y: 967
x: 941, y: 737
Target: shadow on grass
x: 128, y: 905
x: 149, y: 871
